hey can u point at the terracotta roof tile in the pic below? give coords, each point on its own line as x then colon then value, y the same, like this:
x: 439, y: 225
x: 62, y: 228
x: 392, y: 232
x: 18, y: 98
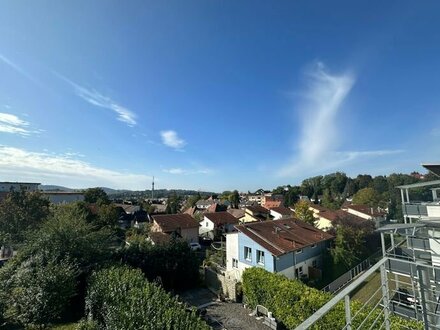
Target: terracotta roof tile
x: 283, y: 236
x: 221, y: 218
x: 171, y: 222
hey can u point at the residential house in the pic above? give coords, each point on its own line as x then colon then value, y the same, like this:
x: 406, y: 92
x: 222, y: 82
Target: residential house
x: 281, y: 212
x: 286, y: 246
x: 256, y: 213
x: 204, y: 204
x: 238, y: 213
x: 217, y: 223
x: 271, y: 200
x: 181, y: 225
x: 326, y: 218
x: 367, y: 213
x: 255, y: 198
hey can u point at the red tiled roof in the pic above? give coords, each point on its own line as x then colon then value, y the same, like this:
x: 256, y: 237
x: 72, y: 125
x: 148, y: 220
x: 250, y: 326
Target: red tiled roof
x: 365, y: 209
x: 283, y: 236
x: 318, y: 207
x: 282, y: 210
x: 257, y: 209
x: 171, y: 222
x: 221, y: 218
x: 238, y: 213
x: 272, y: 204
x: 341, y: 214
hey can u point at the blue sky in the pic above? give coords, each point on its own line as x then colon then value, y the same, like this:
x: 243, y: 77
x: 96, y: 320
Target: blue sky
x: 216, y: 95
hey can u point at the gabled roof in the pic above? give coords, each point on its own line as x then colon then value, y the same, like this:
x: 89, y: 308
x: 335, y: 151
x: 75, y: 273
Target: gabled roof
x: 221, y: 218
x: 283, y: 236
x: 341, y: 214
x: 257, y: 209
x: 238, y: 213
x: 318, y: 207
x: 216, y: 208
x: 171, y: 222
x: 282, y: 210
x: 365, y: 209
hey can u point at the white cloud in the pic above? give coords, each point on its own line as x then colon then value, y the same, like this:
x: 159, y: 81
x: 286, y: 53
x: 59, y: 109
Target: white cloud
x: 181, y: 171
x: 171, y: 139
x: 97, y: 99
x: 320, y: 135
x: 10, y: 123
x: 19, y: 164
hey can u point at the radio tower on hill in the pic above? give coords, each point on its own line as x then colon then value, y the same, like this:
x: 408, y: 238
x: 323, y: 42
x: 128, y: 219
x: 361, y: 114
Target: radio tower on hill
x: 152, y: 189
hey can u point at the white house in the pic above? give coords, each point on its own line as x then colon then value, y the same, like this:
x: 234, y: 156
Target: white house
x: 217, y: 222
x: 281, y: 212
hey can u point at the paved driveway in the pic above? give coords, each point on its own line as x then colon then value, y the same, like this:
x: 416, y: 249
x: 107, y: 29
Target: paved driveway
x: 221, y: 315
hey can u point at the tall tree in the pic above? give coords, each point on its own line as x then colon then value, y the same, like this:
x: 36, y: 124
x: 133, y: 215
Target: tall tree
x: 234, y: 198
x: 303, y: 212
x: 96, y: 195
x: 20, y: 212
x: 367, y: 196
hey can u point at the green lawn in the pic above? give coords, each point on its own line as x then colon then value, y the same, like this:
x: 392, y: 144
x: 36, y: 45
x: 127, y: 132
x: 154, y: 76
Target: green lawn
x: 369, y: 287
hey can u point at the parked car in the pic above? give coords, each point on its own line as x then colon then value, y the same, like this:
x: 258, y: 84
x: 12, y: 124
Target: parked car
x: 195, y: 246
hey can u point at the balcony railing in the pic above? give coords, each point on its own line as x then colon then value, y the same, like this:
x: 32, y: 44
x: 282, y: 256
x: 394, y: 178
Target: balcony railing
x: 415, y: 210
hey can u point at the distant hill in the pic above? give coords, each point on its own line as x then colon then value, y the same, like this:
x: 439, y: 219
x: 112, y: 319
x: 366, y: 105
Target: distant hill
x: 125, y: 193
x: 48, y: 187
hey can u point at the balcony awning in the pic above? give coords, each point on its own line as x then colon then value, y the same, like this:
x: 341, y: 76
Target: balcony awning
x: 434, y: 168
x: 420, y: 184
x: 398, y: 226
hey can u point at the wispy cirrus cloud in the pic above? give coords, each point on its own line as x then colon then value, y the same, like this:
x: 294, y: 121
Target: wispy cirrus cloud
x: 20, y: 164
x: 10, y: 123
x: 181, y: 171
x: 319, y: 111
x: 18, y: 68
x: 97, y: 99
x: 171, y: 139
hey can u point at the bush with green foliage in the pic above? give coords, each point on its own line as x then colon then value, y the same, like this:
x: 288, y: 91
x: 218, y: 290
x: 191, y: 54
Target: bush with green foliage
x: 174, y: 264
x: 121, y: 298
x: 39, y: 292
x: 292, y: 302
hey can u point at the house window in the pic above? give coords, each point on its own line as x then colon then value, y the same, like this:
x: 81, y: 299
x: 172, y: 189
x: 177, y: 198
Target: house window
x: 234, y: 263
x: 300, y: 270
x: 206, y: 223
x: 299, y: 251
x: 248, y: 253
x: 260, y: 257
x: 314, y: 263
x: 313, y: 246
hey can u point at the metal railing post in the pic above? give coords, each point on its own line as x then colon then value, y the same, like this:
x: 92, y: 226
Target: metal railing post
x: 385, y: 296
x: 347, y: 312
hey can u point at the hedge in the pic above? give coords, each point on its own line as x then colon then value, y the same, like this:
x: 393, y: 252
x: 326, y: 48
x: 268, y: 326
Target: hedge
x: 292, y: 302
x: 121, y: 298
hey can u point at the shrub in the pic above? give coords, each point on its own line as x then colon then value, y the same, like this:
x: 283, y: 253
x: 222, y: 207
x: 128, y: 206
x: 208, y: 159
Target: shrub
x: 292, y: 302
x: 121, y: 298
x: 39, y: 294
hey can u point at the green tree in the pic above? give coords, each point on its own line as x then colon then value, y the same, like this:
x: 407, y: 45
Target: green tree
x: 303, y: 213
x: 329, y: 202
x: 107, y: 216
x: 21, y: 212
x: 292, y: 196
x: 367, y: 196
x: 174, y: 264
x: 96, y: 195
x: 234, y: 198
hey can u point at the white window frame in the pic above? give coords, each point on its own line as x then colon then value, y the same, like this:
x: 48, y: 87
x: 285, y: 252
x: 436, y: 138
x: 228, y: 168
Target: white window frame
x: 300, y: 270
x: 234, y: 263
x: 299, y: 251
x: 260, y: 257
x: 248, y: 253
x: 313, y: 246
